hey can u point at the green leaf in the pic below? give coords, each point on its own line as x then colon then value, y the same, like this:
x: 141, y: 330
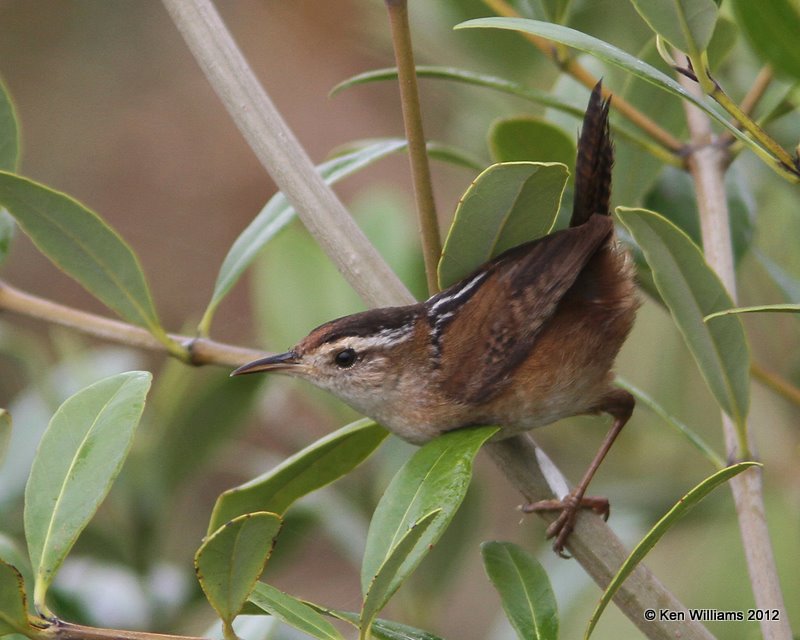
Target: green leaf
x: 524, y: 589
x: 691, y: 290
x: 389, y: 630
x: 293, y: 612
x: 5, y: 433
x: 231, y: 559
x: 611, y: 54
x: 453, y: 155
x: 672, y: 421
x: 764, y: 308
x: 436, y: 477
x: 529, y: 94
x: 78, y: 459
x: 13, y: 608
x: 384, y: 582
x: 680, y: 509
x: 314, y: 467
x: 528, y: 138
x: 469, y: 77
x: 772, y: 28
x: 82, y: 245
x: 381, y: 629
x: 685, y: 24
x: 506, y: 205
x: 9, y: 132
x: 277, y: 213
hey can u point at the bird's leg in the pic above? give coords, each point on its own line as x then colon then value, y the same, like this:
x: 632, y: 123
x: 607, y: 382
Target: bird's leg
x: 619, y: 404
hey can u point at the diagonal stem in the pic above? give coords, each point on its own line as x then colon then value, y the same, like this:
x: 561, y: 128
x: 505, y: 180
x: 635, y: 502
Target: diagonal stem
x: 276, y: 146
x: 417, y: 154
x: 707, y: 164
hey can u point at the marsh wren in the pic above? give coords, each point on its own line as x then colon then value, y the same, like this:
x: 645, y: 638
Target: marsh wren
x: 527, y: 339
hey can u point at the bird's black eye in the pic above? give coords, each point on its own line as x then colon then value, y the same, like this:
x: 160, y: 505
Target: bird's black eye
x: 345, y: 358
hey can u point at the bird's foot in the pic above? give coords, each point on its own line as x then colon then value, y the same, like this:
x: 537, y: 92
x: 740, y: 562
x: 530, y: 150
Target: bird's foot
x: 569, y: 506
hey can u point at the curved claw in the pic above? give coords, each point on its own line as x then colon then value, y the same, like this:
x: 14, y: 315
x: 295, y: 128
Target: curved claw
x: 562, y: 527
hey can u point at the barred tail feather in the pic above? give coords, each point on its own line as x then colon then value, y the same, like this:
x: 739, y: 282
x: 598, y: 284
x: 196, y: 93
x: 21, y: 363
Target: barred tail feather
x: 594, y: 161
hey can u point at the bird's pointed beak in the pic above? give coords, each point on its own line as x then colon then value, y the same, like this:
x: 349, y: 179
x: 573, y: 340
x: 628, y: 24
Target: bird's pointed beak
x: 279, y: 362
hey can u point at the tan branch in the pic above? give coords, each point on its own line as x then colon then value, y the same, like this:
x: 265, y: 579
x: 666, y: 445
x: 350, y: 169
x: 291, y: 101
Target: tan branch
x: 707, y: 164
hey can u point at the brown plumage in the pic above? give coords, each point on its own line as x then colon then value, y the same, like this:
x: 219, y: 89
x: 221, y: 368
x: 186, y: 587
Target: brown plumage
x: 527, y: 339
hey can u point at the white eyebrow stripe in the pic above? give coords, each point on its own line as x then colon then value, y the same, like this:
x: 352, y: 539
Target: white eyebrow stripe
x: 382, y: 338
x: 458, y: 294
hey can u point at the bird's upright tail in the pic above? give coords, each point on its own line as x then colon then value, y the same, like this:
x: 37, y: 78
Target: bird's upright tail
x: 594, y: 161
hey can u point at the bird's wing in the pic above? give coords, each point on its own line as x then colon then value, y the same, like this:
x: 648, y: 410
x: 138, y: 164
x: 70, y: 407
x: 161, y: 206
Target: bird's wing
x: 497, y: 323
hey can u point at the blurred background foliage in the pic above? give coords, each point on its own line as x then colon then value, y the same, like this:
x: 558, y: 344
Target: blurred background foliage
x: 114, y: 111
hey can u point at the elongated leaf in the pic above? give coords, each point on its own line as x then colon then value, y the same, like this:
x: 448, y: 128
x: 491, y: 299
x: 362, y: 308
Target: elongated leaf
x: 506, y: 205
x: 293, y: 612
x: 524, y: 589
x: 772, y: 28
x: 381, y: 629
x: 231, y: 559
x: 436, y: 477
x: 277, y: 213
x: 5, y: 433
x: 611, y: 54
x: 454, y: 155
x: 469, y: 77
x: 380, y: 590
x: 764, y: 308
x: 692, y: 291
x: 78, y: 459
x: 528, y: 138
x: 680, y: 509
x: 530, y: 94
x: 13, y: 609
x: 315, y: 466
x: 685, y: 24
x: 672, y: 421
x: 82, y: 245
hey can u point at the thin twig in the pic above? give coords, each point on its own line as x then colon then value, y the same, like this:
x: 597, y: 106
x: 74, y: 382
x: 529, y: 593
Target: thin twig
x: 707, y: 164
x: 60, y: 630
x: 279, y: 151
x: 417, y: 154
x: 201, y: 350
x: 770, y: 151
x: 587, y: 79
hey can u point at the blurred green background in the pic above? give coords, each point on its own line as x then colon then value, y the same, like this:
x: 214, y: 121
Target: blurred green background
x: 115, y: 112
